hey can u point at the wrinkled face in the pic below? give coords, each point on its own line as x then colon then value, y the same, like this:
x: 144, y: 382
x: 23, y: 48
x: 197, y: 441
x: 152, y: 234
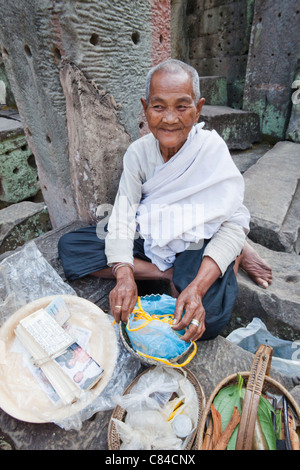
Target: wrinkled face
x: 171, y: 111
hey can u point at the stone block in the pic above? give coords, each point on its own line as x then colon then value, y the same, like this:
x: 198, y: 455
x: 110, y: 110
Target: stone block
x: 272, y: 62
x: 22, y: 222
x: 97, y: 142
x: 238, y: 128
x: 18, y: 171
x: 244, y: 159
x: 277, y: 306
x: 214, y: 90
x: 272, y: 195
x: 9, y: 127
x: 218, y: 35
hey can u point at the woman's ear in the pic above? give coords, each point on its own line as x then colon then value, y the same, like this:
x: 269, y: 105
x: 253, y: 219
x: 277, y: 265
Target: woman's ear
x: 199, y: 106
x: 144, y: 103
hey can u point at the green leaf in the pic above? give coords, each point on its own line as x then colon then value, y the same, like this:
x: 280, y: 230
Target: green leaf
x: 264, y: 414
x: 231, y: 396
x: 225, y: 401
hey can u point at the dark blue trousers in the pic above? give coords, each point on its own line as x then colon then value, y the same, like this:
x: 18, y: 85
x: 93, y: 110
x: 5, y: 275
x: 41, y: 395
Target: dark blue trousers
x: 82, y: 253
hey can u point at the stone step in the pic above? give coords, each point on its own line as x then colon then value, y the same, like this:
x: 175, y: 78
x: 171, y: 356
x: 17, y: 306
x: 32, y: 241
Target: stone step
x: 244, y: 159
x: 277, y: 306
x: 272, y: 195
x: 214, y: 90
x: 10, y: 127
x: 22, y: 222
x: 240, y: 129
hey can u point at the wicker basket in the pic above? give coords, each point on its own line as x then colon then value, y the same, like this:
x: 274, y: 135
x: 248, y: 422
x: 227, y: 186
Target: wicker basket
x: 114, y: 441
x: 265, y: 384
x: 152, y: 362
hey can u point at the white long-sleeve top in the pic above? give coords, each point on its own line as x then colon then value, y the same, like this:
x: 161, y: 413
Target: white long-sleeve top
x: 141, y: 161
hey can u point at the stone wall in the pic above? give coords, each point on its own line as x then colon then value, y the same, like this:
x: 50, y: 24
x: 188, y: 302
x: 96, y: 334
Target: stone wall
x: 113, y: 43
x: 272, y: 63
x: 255, y: 45
x: 218, y: 38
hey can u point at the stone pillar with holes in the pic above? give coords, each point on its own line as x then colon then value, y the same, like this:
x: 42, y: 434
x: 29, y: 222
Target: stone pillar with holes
x: 108, y: 47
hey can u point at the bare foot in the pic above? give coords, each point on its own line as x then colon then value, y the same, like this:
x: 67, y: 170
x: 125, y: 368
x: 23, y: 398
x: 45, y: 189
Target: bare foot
x: 255, y: 266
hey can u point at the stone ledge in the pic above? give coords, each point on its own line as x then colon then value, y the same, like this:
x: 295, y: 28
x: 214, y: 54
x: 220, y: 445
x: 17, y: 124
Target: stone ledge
x: 278, y: 306
x: 22, y: 222
x: 272, y: 195
x: 240, y: 129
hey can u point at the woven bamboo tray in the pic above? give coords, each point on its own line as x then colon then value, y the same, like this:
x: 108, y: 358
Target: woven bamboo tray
x: 113, y: 438
x: 269, y: 385
x: 146, y: 360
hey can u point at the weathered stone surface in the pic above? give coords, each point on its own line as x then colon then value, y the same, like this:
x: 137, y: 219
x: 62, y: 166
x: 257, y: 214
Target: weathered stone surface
x: 22, y: 222
x: 214, y: 90
x: 272, y: 195
x: 244, y: 159
x: 278, y: 306
x: 272, y: 61
x: 218, y: 34
x: 238, y: 128
x: 18, y: 171
x: 179, y: 39
x: 97, y: 143
x: 49, y: 436
x: 112, y: 43
x: 10, y: 128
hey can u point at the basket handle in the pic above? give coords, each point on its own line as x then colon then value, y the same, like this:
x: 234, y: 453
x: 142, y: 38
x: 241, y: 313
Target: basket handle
x: 260, y: 367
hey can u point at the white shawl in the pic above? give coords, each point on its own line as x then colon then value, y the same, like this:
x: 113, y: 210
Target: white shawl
x: 189, y: 197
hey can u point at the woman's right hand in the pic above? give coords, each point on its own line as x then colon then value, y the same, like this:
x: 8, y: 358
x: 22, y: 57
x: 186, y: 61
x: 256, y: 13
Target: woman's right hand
x: 123, y: 296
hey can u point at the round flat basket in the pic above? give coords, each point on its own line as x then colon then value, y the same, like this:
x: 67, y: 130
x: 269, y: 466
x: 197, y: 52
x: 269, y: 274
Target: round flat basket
x: 114, y: 441
x: 269, y: 385
x: 21, y: 395
x: 146, y: 360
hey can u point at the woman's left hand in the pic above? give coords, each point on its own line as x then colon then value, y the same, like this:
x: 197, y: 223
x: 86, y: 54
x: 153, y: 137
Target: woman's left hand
x: 191, y: 301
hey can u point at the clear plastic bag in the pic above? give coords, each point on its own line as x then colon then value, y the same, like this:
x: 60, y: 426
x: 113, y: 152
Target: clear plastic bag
x: 154, y: 402
x: 286, y: 354
x: 26, y: 276
x: 150, y: 331
x: 151, y: 392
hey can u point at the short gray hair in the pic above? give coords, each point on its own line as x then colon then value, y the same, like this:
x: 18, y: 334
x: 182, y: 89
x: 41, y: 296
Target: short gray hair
x: 174, y: 66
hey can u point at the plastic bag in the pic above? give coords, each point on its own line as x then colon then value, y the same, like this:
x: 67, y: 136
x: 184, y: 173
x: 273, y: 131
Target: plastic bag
x: 152, y: 391
x: 286, y: 354
x: 150, y: 332
x: 159, y: 396
x: 146, y: 430
x: 26, y: 276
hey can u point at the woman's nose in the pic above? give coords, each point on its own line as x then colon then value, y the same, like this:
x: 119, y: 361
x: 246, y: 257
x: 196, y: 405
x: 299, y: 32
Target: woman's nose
x: 170, y: 116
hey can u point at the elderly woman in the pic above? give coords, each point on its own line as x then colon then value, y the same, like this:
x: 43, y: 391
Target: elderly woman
x: 182, y: 194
